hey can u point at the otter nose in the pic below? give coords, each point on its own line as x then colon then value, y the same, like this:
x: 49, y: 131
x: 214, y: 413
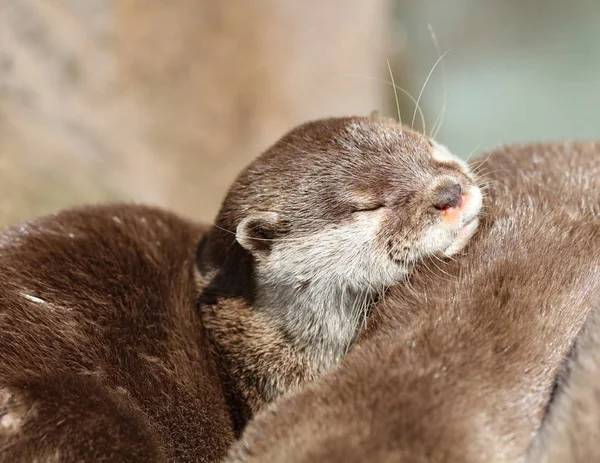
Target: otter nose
x: 449, y: 196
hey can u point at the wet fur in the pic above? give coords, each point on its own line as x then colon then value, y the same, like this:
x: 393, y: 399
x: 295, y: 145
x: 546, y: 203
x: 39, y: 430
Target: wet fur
x: 460, y: 365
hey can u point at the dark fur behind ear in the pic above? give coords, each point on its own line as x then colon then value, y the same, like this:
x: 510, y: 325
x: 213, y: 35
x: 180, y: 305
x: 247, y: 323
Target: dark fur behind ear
x: 200, y: 258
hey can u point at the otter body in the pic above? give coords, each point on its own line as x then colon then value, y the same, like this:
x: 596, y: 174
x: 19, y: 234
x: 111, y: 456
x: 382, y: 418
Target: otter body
x: 103, y: 356
x: 461, y: 364
x: 570, y: 432
x: 104, y: 299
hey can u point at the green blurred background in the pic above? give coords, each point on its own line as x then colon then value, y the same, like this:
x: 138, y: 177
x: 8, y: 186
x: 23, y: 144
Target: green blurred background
x: 164, y: 102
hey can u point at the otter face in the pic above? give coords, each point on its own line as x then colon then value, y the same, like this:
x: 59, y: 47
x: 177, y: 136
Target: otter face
x: 352, y: 203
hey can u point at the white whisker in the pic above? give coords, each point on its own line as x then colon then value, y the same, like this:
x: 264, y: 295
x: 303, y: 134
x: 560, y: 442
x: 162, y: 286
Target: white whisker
x: 395, y: 93
x: 423, y: 89
x: 440, y: 117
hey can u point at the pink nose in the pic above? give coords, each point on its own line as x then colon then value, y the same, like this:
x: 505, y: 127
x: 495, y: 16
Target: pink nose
x: 448, y: 197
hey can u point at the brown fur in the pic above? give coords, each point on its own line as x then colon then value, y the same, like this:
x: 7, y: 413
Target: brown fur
x: 460, y: 364
x: 307, y: 182
x: 103, y: 356
x: 571, y: 431
x: 102, y: 353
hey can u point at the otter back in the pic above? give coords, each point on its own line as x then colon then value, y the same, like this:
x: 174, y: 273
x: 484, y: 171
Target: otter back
x: 102, y: 354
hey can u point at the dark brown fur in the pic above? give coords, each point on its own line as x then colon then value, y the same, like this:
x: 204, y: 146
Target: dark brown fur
x: 103, y: 356
x: 460, y: 364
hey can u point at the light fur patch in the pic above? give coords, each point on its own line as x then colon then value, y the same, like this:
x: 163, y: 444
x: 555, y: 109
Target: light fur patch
x: 11, y: 422
x: 319, y: 285
x: 35, y: 299
x: 12, y: 414
x: 464, y: 236
x: 341, y: 255
x: 445, y: 236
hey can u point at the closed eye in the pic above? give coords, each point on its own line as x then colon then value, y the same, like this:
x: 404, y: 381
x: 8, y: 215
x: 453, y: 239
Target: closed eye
x: 366, y: 207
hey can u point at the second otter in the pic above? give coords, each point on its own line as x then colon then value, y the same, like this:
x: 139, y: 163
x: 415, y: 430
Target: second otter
x: 312, y: 232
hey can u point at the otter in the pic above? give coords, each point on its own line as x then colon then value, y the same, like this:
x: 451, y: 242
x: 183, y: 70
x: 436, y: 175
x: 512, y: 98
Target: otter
x: 462, y: 365
x: 315, y: 230
x: 103, y: 356
x: 570, y: 431
x: 108, y: 347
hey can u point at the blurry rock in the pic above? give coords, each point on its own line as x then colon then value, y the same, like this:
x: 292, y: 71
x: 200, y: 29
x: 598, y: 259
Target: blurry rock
x: 164, y: 102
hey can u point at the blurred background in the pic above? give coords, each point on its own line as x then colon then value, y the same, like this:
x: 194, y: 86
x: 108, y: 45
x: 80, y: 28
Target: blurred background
x: 165, y: 101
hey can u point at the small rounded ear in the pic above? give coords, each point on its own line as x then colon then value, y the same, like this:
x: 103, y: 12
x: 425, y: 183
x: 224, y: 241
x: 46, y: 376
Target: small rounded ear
x: 256, y: 232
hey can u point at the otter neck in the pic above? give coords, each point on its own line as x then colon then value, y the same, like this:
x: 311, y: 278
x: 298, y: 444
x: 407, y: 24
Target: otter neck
x: 319, y: 318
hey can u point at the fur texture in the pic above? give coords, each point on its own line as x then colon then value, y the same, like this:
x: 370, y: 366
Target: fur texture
x: 97, y: 305
x: 313, y: 232
x: 460, y: 364
x: 571, y: 430
x: 103, y: 356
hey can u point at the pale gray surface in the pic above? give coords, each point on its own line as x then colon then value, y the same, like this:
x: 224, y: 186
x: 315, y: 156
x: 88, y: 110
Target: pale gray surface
x: 517, y: 70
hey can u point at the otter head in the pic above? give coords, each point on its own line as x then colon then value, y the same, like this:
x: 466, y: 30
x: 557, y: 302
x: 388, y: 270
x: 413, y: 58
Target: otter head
x: 334, y: 213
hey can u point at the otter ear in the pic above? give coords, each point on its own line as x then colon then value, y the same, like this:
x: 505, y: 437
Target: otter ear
x: 256, y: 232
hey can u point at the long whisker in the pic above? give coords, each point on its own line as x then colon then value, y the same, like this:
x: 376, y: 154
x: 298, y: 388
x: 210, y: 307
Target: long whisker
x: 481, y: 162
x: 473, y: 152
x: 488, y: 172
x: 423, y: 89
x: 440, y: 117
x: 299, y: 239
x: 395, y: 94
x: 425, y: 261
x: 366, y: 307
x: 440, y: 269
x: 402, y: 90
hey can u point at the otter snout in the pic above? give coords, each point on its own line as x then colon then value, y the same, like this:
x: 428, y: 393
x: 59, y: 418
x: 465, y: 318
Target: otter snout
x: 448, y: 197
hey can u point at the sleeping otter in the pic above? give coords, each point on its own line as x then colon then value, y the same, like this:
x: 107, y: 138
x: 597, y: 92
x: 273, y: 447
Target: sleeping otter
x: 461, y: 365
x: 103, y: 354
x: 314, y: 231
